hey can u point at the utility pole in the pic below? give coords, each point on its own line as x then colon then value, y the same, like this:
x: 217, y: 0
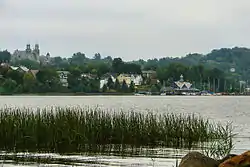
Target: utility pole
x: 218, y: 87
x: 209, y: 84
x: 214, y: 86
x: 225, y: 85
x: 240, y: 86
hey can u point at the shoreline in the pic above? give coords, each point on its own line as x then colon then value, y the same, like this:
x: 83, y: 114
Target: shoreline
x: 102, y: 94
x: 68, y: 94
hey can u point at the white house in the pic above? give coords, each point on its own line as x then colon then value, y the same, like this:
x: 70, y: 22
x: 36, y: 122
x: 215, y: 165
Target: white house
x: 63, y: 76
x: 137, y: 79
x: 105, y: 78
x: 19, y: 68
x: 128, y: 78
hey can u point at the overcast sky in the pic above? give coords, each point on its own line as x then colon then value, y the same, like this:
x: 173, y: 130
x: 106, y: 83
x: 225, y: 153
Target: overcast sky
x: 130, y: 29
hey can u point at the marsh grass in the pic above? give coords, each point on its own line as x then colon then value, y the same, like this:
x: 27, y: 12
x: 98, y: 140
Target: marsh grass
x: 81, y: 130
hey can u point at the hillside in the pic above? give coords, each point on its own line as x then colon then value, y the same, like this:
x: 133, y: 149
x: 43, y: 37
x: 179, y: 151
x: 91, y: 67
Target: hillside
x: 223, y: 59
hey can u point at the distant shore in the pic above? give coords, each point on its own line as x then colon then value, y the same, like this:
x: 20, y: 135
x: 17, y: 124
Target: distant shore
x: 101, y: 94
x: 67, y: 94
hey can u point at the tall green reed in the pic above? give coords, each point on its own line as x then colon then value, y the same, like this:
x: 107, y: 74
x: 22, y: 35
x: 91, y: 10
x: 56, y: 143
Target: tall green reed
x: 77, y: 130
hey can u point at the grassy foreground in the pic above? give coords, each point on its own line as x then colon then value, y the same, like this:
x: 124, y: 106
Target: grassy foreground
x: 78, y: 130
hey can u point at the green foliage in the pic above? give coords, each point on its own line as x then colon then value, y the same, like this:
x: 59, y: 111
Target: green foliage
x: 9, y: 85
x: 48, y: 80
x: 117, y: 85
x: 110, y: 84
x: 201, y: 77
x: 124, y: 87
x: 132, y: 87
x: 118, y: 66
x: 5, y: 56
x: 15, y: 75
x: 27, y: 63
x: 29, y: 83
x: 154, y: 88
x: 104, y: 88
x: 209, y: 71
x: 222, y: 59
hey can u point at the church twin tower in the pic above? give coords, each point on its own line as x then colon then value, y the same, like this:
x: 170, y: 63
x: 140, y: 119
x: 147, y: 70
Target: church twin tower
x: 36, y: 50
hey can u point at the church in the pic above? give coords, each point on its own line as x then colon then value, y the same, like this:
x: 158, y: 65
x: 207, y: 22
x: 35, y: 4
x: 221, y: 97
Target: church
x: 28, y: 53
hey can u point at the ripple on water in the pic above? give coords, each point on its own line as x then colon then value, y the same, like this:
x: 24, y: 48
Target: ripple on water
x: 234, y: 109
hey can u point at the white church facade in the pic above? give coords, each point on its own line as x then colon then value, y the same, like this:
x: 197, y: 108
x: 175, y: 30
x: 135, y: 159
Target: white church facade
x: 30, y: 54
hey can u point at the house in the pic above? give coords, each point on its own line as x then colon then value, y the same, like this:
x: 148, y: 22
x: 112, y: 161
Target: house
x: 45, y: 59
x: 23, y: 69
x: 33, y: 72
x: 88, y: 76
x: 63, y: 76
x: 5, y: 65
x: 150, y: 77
x: 19, y: 68
x: 104, y: 79
x: 137, y: 79
x: 149, y: 74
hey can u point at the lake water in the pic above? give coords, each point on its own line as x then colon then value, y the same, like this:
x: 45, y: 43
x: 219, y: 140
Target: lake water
x: 217, y: 108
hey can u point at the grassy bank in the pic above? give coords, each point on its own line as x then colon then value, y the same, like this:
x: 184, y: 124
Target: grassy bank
x: 77, y: 130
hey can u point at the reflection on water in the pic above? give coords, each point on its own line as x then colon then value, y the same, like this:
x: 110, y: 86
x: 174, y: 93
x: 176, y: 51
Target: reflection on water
x: 98, y: 160
x: 223, y: 109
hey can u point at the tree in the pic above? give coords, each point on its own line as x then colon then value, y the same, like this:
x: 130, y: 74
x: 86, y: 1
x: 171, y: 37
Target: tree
x: 5, y: 56
x: 29, y: 83
x: 10, y: 85
x: 102, y: 68
x: 117, y: 64
x: 49, y: 80
x: 110, y: 83
x: 104, y: 88
x: 15, y: 75
x: 27, y: 63
x: 78, y: 59
x: 131, y: 68
x: 108, y: 59
x: 117, y: 85
x: 132, y: 87
x: 124, y: 87
x: 57, y: 61
x: 94, y: 85
x: 154, y: 88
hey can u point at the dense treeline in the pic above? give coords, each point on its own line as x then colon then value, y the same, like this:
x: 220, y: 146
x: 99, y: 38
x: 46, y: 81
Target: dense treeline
x: 211, y: 71
x: 223, y: 59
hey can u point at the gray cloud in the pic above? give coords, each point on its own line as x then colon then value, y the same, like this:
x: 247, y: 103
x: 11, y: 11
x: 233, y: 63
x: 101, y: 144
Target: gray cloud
x: 130, y: 29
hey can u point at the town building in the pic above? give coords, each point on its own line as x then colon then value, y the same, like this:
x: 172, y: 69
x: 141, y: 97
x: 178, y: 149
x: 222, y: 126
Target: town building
x: 63, y: 77
x: 104, y: 79
x: 184, y: 88
x: 149, y: 74
x: 150, y: 77
x: 128, y: 78
x: 45, y: 59
x: 182, y: 85
x: 28, y: 53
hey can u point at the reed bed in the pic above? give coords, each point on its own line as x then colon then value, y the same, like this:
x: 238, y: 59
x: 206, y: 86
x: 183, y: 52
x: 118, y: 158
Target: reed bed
x: 78, y: 130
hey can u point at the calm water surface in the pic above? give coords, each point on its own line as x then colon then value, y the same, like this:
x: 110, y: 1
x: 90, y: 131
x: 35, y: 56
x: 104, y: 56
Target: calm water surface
x: 221, y: 108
